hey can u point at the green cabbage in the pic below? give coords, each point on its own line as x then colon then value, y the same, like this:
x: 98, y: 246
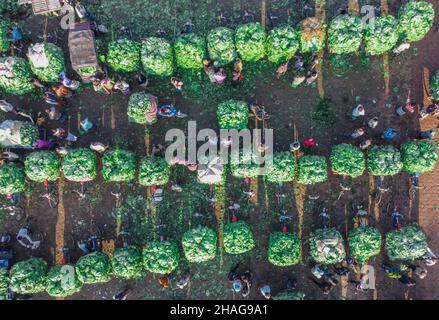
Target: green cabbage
x: 364, y: 243
x: 12, y: 179
x: 29, y: 276
x: 190, y: 51
x: 408, y: 243
x: 4, y: 37
x: 250, y: 41
x: 154, y: 172
x: 93, y: 268
x: 282, y: 44
x: 119, y: 166
x: 312, y: 35
x: 221, y: 46
x: 199, y: 244
x: 418, y: 156
x: 28, y: 134
x: 312, y: 169
x: 19, y: 82
x: 62, y: 281
x: 42, y: 165
x: 4, y: 283
x: 381, y: 35
x: 244, y: 164
x: 80, y: 165
x: 238, y: 238
x: 282, y: 168
x: 157, y: 57
x: 415, y: 20
x: 384, y: 161
x: 434, y: 86
x: 284, y: 249
x: 138, y: 107
x: 232, y: 114
x: 161, y: 257
x: 124, y: 55
x: 347, y: 160
x: 345, y: 34
x: 126, y: 263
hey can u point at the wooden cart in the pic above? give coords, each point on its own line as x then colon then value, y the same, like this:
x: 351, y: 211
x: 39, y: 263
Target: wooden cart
x: 44, y: 6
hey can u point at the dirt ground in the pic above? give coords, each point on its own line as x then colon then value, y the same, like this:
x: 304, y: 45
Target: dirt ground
x: 363, y: 81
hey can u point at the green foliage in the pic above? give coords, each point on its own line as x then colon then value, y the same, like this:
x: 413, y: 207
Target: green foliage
x: 381, y: 35
x: 312, y: 35
x: 124, y: 55
x: 238, y: 238
x: 190, y: 51
x: 244, y: 164
x: 282, y: 168
x: 28, y: 134
x: 157, y: 57
x: 250, y: 41
x: 323, y: 114
x: 93, y: 268
x: 345, y: 34
x: 434, y: 86
x: 384, y: 161
x: 4, y: 283
x: 221, y: 46
x: 233, y: 114
x: 126, y: 263
x: 18, y: 81
x: 347, y: 160
x: 419, y: 156
x: 79, y: 165
x: 312, y: 169
x: 415, y: 20
x: 161, y: 257
x: 42, y: 165
x: 139, y: 106
x: 327, y: 246
x: 4, y: 38
x: 408, y: 243
x: 62, y: 281
x: 199, y: 244
x: 284, y: 249
x: 282, y: 44
x: 154, y: 172
x: 364, y: 243
x: 12, y: 179
x: 287, y: 295
x: 55, y: 57
x: 29, y: 276
x: 119, y: 166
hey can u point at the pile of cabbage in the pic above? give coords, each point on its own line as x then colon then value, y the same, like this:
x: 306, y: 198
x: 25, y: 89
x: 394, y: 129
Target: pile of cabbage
x: 384, y: 161
x: 119, y: 166
x: 347, y: 160
x: 62, y: 281
x: 55, y: 58
x: 250, y: 41
x: 345, y: 34
x: 408, y: 243
x: 238, y: 238
x: 288, y: 295
x: 79, y: 165
x: 282, y: 168
x: 312, y: 35
x: 12, y: 178
x: 381, y: 35
x: 139, y: 106
x: 419, y: 156
x: 126, y: 263
x: 327, y: 246
x: 415, y: 20
x: 232, y: 114
x: 221, y: 46
x: 4, y: 38
x: 42, y: 165
x: 434, y: 86
x: 28, y: 276
x: 157, y: 57
x: 28, y: 134
x: 124, y: 55
x: 284, y: 249
x: 312, y: 169
x: 364, y: 243
x: 190, y: 51
x: 94, y: 267
x: 282, y: 44
x: 199, y: 244
x: 154, y: 172
x: 245, y: 164
x: 161, y: 257
x: 18, y: 80
x: 4, y: 283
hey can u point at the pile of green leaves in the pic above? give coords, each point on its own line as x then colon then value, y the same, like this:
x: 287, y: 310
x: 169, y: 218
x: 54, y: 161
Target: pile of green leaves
x: 221, y: 46
x: 434, y: 86
x: 157, y: 57
x: 87, y: 71
x: 199, y: 244
x: 284, y: 249
x: 282, y: 44
x: 380, y: 35
x: 28, y: 134
x: 324, y: 114
x: 161, y: 257
x: 80, y: 165
x: 312, y: 169
x: 364, y: 243
x: 325, y: 252
x: 12, y: 179
x: 138, y: 106
x: 244, y: 164
x: 124, y: 55
x: 418, y: 156
x: 347, y: 160
x: 238, y: 238
x: 28, y: 276
x: 62, y: 281
x: 119, y: 166
x: 4, y: 38
x: 282, y: 168
x: 415, y: 20
x: 12, y: 8
x: 42, y: 165
x: 312, y: 35
x: 126, y: 263
x: 190, y: 51
x: 93, y: 268
x: 20, y: 82
x: 4, y: 283
x: 345, y: 34
x: 55, y: 56
x: 384, y: 161
x: 288, y: 295
x: 154, y: 172
x: 250, y: 41
x: 232, y: 114
x: 408, y: 243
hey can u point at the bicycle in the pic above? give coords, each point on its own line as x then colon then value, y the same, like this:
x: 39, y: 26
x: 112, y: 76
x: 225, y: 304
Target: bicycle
x: 361, y: 216
x: 344, y: 188
x: 82, y: 193
x: 312, y: 194
x: 50, y: 194
x: 117, y: 194
x: 325, y: 218
x: 396, y: 219
x: 381, y: 190
x: 414, y: 185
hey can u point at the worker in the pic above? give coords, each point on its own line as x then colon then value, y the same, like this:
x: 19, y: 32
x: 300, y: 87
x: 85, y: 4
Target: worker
x: 309, y: 143
x: 169, y: 110
x: 365, y: 144
x: 283, y: 68
x: 236, y: 78
x: 401, y: 48
x: 99, y: 147
x: 427, y: 134
x: 142, y: 80
x: 220, y: 76
x: 358, y: 133
x: 86, y: 125
x: 373, y: 123
x: 409, y: 107
x: 298, y: 80
x: 178, y: 85
x: 314, y: 62
x: 122, y: 295
x: 389, y: 133
x: 52, y: 99
x: 311, y: 78
x: 298, y: 65
x: 259, y: 112
x: 61, y: 133
x: 209, y: 70
x: 54, y: 114
x: 61, y: 91
x: 122, y: 86
x: 358, y: 111
x: 238, y: 66
x: 71, y: 84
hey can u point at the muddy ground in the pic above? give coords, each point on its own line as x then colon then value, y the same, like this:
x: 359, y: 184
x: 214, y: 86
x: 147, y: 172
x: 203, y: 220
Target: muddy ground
x: 362, y: 81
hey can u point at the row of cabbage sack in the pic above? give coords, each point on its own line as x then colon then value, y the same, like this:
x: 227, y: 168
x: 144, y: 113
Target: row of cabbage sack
x: 251, y: 42
x: 200, y: 245
x: 118, y: 165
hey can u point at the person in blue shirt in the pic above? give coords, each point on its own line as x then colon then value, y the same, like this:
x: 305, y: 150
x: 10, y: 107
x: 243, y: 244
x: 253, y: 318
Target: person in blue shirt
x: 390, y: 133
